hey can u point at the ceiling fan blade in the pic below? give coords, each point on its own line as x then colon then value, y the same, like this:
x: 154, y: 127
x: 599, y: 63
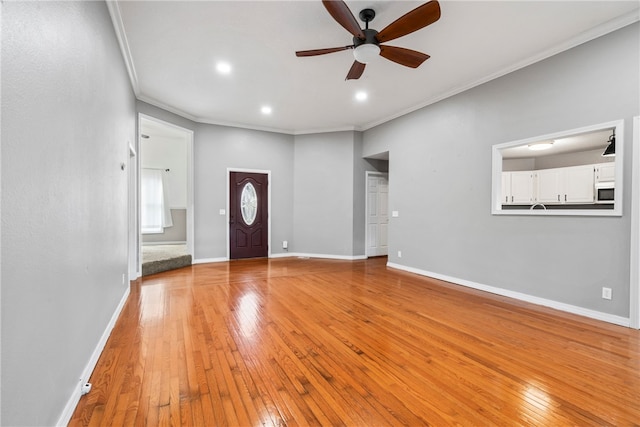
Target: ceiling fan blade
x: 343, y: 16
x: 355, y: 71
x: 316, y: 52
x: 412, y: 21
x: 402, y: 56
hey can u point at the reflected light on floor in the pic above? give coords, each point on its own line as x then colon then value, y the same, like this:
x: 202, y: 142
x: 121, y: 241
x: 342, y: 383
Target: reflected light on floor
x: 537, y: 402
x: 152, y: 303
x: 247, y: 314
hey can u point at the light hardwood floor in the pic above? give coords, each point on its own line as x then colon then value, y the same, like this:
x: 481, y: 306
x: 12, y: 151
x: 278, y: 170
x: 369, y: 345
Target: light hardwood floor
x: 324, y: 342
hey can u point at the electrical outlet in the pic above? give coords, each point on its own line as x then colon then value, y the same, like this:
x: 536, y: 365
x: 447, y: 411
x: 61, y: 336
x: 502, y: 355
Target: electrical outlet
x: 399, y: 254
x: 606, y: 293
x: 123, y: 278
x: 285, y: 244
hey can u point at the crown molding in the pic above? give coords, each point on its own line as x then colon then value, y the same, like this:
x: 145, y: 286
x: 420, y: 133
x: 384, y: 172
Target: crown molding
x: 599, y: 31
x: 118, y: 25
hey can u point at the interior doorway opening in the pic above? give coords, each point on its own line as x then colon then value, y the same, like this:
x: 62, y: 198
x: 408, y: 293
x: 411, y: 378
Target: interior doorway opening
x: 165, y: 202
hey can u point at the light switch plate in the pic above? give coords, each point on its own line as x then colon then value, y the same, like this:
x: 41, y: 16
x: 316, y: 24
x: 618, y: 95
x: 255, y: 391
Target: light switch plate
x: 395, y: 214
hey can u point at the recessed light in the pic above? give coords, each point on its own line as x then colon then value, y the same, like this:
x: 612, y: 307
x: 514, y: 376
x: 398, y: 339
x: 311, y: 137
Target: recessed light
x: 266, y: 109
x: 223, y: 67
x: 361, y: 96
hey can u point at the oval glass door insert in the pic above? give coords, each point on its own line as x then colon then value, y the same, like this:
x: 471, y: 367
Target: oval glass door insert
x: 249, y: 203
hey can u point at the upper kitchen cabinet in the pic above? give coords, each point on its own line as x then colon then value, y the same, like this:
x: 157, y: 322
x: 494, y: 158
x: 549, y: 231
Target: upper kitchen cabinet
x: 573, y: 184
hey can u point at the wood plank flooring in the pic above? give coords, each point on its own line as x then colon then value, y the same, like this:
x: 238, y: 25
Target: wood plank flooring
x: 323, y: 342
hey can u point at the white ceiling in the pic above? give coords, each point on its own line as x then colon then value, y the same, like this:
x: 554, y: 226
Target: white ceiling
x: 595, y: 140
x: 172, y: 48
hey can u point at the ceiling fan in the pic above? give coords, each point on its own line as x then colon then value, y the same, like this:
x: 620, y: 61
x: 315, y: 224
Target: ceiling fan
x: 367, y: 43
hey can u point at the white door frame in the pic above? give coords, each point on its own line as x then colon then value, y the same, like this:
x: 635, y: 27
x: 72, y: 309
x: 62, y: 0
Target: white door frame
x: 190, y: 208
x: 634, y: 276
x: 369, y: 174
x: 133, y: 219
x: 265, y: 172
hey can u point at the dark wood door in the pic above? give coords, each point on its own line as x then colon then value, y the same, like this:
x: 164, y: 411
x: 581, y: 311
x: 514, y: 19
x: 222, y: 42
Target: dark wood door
x: 248, y: 215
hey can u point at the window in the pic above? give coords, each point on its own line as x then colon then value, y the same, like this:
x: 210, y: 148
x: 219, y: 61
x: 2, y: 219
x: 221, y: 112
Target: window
x: 570, y: 180
x: 155, y: 214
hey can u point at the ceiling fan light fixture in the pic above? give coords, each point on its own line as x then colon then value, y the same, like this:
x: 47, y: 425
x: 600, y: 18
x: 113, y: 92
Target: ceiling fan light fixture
x: 365, y: 53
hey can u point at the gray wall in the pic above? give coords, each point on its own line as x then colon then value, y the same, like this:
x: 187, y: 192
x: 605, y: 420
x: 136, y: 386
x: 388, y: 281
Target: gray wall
x: 67, y: 117
x: 317, y: 186
x: 440, y: 179
x: 220, y: 147
x: 573, y: 159
x: 176, y: 233
x: 329, y: 194
x: 556, y: 161
x: 323, y: 194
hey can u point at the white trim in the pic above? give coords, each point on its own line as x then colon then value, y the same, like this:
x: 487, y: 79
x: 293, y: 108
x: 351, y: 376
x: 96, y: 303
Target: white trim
x: 634, y: 276
x: 260, y: 171
x: 325, y: 256
x: 496, y: 174
x: 209, y: 260
x: 132, y: 213
x: 593, y: 33
x: 70, y: 407
x: 177, y: 242
x: 191, y: 210
x: 283, y: 255
x: 118, y: 25
x: 288, y: 255
x: 598, y: 315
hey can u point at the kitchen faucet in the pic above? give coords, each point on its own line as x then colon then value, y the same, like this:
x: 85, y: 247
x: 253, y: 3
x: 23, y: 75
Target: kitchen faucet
x: 538, y: 204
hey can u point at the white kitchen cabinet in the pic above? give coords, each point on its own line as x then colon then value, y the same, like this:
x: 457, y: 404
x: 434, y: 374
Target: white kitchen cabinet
x: 506, y: 188
x: 578, y: 184
x: 549, y: 186
x: 605, y: 172
x: 565, y: 185
x: 517, y: 188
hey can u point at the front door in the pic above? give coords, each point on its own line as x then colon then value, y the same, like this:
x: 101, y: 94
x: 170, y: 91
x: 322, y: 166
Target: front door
x: 248, y: 215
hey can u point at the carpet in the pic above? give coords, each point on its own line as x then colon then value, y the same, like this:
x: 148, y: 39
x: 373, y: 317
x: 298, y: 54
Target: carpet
x: 159, y: 258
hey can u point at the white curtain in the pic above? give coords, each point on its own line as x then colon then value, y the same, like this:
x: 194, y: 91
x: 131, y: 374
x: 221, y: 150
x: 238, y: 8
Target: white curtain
x: 155, y: 211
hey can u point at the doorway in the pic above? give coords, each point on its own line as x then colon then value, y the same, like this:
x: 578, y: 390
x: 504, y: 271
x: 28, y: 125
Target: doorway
x: 634, y: 286
x: 248, y: 215
x: 165, y: 151
x: 377, y: 202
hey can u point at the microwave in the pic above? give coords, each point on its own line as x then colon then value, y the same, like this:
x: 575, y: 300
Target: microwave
x: 604, y: 192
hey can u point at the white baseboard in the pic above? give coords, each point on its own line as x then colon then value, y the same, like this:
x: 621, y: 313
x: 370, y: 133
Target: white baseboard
x: 67, y: 413
x: 593, y: 314
x: 325, y: 256
x: 287, y: 255
x: 283, y: 255
x: 164, y: 243
x: 208, y: 260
